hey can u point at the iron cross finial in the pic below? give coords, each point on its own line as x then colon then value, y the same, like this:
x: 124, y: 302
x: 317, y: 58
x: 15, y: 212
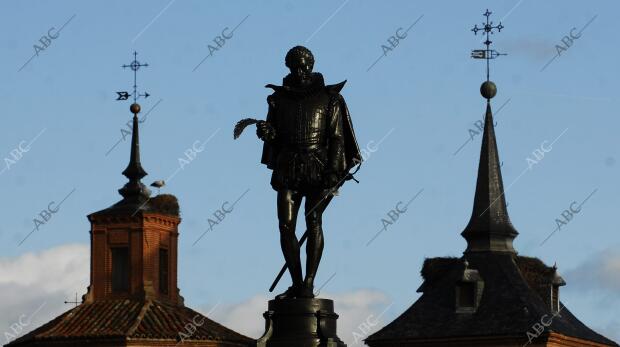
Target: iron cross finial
x: 76, y: 302
x: 135, y: 65
x: 487, y: 29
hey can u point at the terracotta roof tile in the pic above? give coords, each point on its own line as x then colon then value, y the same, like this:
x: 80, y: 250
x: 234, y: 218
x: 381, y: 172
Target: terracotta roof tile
x: 131, y: 319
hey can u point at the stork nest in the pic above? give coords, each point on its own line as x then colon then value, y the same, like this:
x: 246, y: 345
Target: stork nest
x: 166, y: 204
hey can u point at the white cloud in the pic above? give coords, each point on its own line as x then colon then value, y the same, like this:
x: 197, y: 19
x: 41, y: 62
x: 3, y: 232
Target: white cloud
x: 596, y: 282
x: 599, y: 273
x: 360, y: 312
x: 245, y: 317
x: 35, y: 285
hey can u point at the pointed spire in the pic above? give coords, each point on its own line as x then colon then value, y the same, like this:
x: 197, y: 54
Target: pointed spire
x: 135, y: 190
x: 489, y: 229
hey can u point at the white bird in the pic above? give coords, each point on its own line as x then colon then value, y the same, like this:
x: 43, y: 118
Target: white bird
x: 158, y: 184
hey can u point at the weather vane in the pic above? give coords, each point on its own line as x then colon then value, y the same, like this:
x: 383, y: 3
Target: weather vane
x: 76, y: 302
x: 487, y: 53
x: 135, y: 66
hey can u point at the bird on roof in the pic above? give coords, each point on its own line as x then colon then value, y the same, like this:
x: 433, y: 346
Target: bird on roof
x: 158, y: 184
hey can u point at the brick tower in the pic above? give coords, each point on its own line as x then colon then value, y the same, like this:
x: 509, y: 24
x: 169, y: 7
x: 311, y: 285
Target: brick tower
x: 133, y: 299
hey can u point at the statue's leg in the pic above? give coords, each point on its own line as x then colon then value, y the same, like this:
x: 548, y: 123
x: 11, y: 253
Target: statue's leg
x: 315, y: 206
x: 288, y: 207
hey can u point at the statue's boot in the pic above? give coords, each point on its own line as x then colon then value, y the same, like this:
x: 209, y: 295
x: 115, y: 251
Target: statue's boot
x: 306, y: 290
x: 298, y: 285
x: 290, y: 293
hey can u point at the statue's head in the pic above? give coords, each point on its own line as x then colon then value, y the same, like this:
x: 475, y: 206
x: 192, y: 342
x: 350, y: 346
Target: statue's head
x: 300, y: 61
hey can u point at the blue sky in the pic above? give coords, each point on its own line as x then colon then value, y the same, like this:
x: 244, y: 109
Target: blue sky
x: 419, y: 101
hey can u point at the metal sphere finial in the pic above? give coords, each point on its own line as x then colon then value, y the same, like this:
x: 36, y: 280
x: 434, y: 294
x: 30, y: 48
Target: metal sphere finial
x: 135, y: 108
x: 488, y: 90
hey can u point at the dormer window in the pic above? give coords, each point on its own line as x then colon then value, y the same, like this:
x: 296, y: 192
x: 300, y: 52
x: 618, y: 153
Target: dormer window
x: 555, y: 300
x: 468, y: 290
x: 557, y: 282
x: 466, y: 295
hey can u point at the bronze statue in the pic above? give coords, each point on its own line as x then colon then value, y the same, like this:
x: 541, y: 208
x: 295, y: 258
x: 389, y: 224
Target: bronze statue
x: 310, y: 145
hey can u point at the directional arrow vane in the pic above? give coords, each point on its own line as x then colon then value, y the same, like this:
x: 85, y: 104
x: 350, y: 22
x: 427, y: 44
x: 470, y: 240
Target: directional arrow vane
x: 135, y: 65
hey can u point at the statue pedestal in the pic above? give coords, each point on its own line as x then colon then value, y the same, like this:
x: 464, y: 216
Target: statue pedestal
x: 300, y: 323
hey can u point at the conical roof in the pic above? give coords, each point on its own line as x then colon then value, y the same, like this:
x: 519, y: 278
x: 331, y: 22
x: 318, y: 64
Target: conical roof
x: 489, y: 228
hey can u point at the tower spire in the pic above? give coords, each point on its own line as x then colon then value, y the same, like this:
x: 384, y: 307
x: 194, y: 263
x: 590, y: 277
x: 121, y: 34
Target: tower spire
x: 489, y: 229
x: 134, y: 190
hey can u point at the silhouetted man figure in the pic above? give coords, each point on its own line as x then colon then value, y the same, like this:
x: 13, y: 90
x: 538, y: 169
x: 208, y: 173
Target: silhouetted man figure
x: 310, y: 146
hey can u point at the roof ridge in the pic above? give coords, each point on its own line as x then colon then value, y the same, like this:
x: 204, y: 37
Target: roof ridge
x: 147, y: 305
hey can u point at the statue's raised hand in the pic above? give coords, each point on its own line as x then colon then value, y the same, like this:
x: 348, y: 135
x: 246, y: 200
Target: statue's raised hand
x: 265, y: 131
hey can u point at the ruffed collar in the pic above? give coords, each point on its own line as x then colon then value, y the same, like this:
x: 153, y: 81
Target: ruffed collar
x: 317, y: 85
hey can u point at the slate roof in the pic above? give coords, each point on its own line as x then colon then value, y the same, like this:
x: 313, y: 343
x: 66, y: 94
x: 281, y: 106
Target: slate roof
x: 126, y: 319
x: 509, y: 305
